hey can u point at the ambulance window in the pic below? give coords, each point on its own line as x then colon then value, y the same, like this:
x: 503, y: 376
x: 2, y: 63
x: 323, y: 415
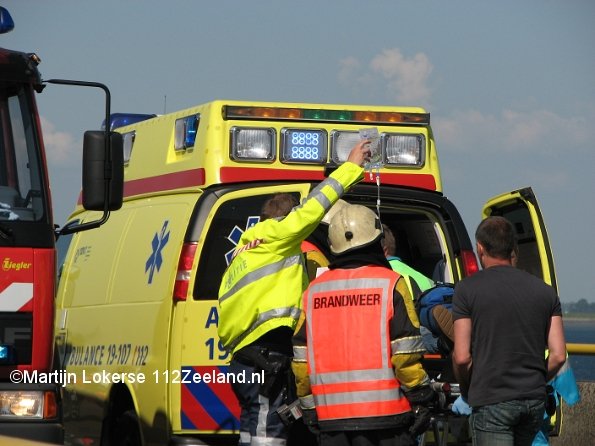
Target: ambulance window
x: 230, y: 221
x: 529, y: 258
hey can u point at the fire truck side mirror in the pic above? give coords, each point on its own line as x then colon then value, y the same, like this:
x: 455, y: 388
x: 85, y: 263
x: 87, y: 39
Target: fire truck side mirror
x: 103, y: 171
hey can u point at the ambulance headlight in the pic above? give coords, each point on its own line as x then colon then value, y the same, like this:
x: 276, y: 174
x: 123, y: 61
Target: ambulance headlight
x: 403, y: 150
x: 252, y: 144
x: 21, y: 404
x: 341, y: 144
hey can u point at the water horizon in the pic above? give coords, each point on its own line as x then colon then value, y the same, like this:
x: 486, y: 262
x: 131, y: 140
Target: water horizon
x: 581, y: 331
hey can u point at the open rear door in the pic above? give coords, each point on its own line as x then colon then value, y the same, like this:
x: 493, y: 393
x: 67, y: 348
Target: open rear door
x: 521, y: 208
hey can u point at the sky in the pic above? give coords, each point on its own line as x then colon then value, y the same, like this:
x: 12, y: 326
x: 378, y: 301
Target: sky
x: 510, y: 85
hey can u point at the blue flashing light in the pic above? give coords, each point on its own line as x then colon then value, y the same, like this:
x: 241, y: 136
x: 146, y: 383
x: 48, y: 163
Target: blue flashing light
x: 191, y: 128
x: 6, y: 354
x: 123, y: 119
x: 304, y: 146
x: 185, y: 132
x: 6, y: 22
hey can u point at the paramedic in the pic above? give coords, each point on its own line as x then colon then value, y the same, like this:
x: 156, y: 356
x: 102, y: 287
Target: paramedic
x: 260, y: 298
x: 416, y: 281
x: 358, y: 343
x: 505, y: 318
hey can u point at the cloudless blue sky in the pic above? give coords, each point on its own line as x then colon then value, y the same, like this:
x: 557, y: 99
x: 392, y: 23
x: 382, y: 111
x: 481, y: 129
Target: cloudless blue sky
x: 509, y: 85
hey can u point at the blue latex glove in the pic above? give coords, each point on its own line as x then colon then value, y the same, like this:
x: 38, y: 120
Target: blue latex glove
x: 460, y: 407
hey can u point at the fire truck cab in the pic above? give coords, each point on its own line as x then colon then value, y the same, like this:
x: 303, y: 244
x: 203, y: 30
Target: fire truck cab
x: 30, y: 405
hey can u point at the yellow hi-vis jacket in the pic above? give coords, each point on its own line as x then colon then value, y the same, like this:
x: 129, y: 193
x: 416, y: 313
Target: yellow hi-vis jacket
x: 262, y: 287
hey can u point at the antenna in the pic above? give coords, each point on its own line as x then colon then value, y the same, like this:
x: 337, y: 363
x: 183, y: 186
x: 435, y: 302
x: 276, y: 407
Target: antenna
x: 164, y: 104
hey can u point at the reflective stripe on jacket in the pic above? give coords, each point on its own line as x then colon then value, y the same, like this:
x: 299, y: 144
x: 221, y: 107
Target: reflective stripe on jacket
x: 348, y: 312
x: 262, y: 287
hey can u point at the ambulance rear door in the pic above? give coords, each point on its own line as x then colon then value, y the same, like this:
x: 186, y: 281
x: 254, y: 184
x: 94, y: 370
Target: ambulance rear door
x: 520, y: 207
x: 202, y: 401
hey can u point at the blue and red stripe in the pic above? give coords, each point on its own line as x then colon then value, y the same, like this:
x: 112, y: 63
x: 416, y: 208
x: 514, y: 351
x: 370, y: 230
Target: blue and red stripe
x: 208, y: 406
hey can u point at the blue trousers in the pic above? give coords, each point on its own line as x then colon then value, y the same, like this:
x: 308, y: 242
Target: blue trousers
x: 510, y: 423
x: 260, y: 424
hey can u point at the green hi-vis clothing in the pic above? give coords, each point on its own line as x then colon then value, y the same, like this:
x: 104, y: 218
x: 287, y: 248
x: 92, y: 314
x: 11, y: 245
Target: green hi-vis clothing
x: 416, y: 281
x: 262, y: 287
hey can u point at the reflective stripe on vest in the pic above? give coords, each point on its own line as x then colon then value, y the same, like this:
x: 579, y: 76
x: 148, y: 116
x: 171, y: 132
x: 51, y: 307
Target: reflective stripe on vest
x: 275, y: 313
x: 352, y: 376
x: 266, y: 270
x: 319, y: 196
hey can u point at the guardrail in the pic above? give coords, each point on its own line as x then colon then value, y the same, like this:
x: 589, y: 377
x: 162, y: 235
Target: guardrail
x: 580, y: 349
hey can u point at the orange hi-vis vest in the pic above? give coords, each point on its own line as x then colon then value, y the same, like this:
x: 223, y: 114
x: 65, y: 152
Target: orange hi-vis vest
x: 348, y: 344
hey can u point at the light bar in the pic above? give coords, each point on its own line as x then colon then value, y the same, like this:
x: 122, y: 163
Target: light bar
x: 6, y: 21
x: 122, y: 119
x: 185, y: 129
x: 324, y: 115
x: 252, y: 144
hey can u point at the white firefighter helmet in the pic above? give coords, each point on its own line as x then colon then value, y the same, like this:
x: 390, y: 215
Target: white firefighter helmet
x: 340, y: 204
x: 354, y: 226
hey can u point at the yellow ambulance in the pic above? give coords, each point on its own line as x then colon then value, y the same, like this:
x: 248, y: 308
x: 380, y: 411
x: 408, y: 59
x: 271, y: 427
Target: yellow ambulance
x: 136, y: 317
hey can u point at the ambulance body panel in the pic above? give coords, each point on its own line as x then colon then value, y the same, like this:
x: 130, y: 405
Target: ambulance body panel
x: 121, y: 323
x: 138, y: 296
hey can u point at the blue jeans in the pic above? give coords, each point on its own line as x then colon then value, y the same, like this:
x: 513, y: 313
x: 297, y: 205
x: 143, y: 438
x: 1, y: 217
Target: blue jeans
x: 510, y: 423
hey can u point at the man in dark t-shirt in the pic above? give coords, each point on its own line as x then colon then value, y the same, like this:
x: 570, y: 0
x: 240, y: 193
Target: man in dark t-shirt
x: 505, y: 319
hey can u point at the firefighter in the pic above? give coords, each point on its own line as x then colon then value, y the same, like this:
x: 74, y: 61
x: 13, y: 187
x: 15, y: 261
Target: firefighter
x: 260, y: 298
x: 357, y: 348
x: 315, y: 248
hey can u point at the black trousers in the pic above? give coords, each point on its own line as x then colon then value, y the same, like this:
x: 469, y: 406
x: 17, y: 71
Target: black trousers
x: 379, y: 437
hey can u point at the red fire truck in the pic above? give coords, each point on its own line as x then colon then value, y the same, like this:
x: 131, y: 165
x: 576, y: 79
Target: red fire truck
x: 29, y: 396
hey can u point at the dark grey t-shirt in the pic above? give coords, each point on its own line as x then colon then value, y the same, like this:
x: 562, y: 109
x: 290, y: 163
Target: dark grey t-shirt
x: 510, y: 313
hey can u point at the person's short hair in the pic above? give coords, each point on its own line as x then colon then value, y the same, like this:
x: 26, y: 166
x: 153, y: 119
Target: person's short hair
x: 279, y: 205
x: 388, y: 240
x: 497, y: 236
